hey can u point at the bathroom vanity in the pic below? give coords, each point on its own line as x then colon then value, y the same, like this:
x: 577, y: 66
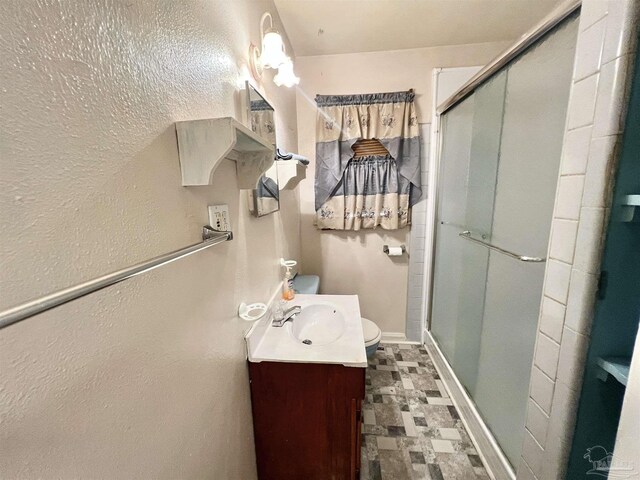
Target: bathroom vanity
x: 307, y: 397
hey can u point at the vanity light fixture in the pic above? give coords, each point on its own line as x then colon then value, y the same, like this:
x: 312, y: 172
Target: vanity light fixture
x: 272, y: 55
x: 285, y: 75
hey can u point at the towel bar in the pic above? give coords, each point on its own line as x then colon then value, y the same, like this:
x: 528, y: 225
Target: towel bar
x: 523, y: 258
x: 210, y: 237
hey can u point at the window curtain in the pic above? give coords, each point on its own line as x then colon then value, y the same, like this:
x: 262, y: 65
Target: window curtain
x: 366, y: 192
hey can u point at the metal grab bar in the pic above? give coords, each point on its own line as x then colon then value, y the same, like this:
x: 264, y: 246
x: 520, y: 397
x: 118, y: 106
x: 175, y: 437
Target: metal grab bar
x: 523, y: 258
x: 18, y: 313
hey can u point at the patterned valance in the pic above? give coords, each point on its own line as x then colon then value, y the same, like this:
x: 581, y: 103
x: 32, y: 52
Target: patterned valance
x: 260, y: 105
x: 343, y: 120
x: 365, y: 98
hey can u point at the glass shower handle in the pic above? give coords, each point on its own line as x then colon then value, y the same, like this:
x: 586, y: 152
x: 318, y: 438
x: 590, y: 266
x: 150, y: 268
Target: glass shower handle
x: 523, y: 258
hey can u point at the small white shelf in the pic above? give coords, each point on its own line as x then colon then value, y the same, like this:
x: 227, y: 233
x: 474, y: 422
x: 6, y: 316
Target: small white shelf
x: 632, y: 200
x: 617, y: 367
x: 203, y: 144
x: 630, y: 209
x: 290, y: 173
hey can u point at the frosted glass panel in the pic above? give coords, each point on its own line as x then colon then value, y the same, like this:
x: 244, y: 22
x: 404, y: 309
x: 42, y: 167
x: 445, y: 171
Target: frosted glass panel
x: 456, y: 148
x: 470, y: 152
x: 534, y: 116
x: 498, y: 172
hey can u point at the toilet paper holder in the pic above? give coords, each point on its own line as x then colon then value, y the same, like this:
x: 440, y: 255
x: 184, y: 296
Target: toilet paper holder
x: 385, y: 249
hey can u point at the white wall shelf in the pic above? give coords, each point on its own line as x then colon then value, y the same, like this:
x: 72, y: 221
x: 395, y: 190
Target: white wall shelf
x: 203, y: 144
x: 617, y: 367
x: 290, y: 173
x: 630, y: 209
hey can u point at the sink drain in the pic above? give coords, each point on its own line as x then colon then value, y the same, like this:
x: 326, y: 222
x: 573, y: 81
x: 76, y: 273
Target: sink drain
x: 307, y: 342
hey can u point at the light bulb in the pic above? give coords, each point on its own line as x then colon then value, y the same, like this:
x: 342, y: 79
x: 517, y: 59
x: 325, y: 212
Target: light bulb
x: 285, y: 75
x: 272, y: 54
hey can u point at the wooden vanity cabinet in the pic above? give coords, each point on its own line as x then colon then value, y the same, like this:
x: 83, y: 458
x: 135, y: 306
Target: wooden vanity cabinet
x: 307, y: 420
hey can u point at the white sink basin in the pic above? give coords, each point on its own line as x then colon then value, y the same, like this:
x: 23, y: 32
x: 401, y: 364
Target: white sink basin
x: 319, y: 324
x: 330, y: 322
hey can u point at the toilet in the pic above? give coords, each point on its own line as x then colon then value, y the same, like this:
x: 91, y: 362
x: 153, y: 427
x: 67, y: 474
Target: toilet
x: 310, y: 284
x: 372, y: 336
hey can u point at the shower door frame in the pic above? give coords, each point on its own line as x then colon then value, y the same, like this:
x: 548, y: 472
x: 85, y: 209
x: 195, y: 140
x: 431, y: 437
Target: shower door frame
x: 559, y: 14
x: 487, y: 446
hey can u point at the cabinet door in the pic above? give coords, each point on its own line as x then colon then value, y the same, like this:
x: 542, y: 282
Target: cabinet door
x: 306, y: 420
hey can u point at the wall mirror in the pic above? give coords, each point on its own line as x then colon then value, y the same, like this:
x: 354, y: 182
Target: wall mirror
x: 265, y: 198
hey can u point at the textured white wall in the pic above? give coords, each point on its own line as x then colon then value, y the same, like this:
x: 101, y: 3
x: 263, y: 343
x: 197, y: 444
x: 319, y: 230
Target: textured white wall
x: 146, y: 379
x: 353, y: 262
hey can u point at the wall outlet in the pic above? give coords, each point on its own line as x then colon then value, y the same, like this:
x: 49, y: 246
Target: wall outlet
x: 219, y: 218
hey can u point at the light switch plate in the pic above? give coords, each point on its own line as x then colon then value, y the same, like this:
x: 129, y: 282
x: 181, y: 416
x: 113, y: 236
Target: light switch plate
x: 219, y: 217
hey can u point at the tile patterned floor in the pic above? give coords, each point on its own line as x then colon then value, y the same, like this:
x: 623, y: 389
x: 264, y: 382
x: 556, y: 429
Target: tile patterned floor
x: 411, y: 428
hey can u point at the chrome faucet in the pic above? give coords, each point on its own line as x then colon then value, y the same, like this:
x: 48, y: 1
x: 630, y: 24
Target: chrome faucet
x: 280, y: 316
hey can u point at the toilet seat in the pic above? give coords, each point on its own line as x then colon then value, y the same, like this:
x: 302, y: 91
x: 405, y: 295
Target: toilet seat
x: 372, y: 333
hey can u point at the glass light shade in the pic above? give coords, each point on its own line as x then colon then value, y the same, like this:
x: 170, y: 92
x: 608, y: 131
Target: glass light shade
x: 285, y: 75
x: 272, y: 55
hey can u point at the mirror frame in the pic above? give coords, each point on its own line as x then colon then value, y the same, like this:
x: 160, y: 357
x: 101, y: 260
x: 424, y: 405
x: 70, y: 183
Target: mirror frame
x: 252, y: 196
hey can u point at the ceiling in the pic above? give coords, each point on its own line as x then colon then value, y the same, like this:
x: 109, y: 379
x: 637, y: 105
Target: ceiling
x: 322, y: 27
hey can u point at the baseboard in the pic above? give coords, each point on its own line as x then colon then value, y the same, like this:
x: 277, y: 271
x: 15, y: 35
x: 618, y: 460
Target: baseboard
x: 495, y: 461
x: 396, y: 337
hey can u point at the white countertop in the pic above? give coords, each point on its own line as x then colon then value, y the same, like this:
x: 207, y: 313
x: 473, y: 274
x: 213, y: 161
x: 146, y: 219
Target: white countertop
x: 266, y: 343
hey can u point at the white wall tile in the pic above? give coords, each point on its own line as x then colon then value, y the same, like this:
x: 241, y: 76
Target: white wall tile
x: 547, y: 354
x: 563, y: 239
x: 573, y: 352
x: 563, y: 413
x: 569, y: 197
x: 555, y: 461
x: 533, y: 454
x: 524, y: 472
x: 589, y: 50
x: 424, y: 185
x: 582, y: 103
x: 552, y: 318
x: 612, y: 97
x: 415, y: 287
x: 622, y: 27
x: 537, y: 422
x: 556, y: 284
x: 589, y: 240
x: 418, y: 218
x: 418, y: 230
x: 541, y: 389
x: 598, y: 183
x: 421, y: 206
x: 581, y: 301
x: 591, y: 12
x: 576, y: 151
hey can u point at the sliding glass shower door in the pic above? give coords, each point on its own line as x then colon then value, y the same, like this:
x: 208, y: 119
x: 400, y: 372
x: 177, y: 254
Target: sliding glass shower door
x: 500, y: 156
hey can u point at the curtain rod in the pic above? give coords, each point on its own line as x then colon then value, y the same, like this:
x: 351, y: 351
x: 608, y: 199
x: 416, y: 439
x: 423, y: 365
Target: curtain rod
x: 29, y: 309
x: 556, y: 16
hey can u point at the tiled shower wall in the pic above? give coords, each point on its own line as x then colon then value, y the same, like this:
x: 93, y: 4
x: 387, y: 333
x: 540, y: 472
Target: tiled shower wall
x: 607, y: 41
x: 416, y: 283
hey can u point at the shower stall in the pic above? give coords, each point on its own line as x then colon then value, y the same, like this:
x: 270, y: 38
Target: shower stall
x: 499, y: 157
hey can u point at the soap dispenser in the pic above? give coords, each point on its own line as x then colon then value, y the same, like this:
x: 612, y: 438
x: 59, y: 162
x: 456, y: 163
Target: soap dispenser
x: 288, y: 293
